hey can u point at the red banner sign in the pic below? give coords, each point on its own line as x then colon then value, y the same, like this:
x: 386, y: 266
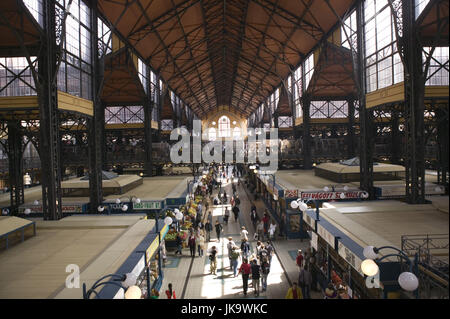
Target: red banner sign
x: 332, y: 195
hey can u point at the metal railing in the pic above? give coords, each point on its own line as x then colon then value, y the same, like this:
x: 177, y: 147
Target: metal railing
x: 433, y: 252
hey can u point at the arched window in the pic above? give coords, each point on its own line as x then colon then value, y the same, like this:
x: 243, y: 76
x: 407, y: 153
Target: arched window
x: 224, y: 127
x: 212, y: 134
x: 237, y: 133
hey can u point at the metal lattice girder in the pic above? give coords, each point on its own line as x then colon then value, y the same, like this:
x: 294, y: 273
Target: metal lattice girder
x: 307, y: 156
x: 15, y: 151
x: 49, y: 120
x: 414, y: 107
x: 96, y: 125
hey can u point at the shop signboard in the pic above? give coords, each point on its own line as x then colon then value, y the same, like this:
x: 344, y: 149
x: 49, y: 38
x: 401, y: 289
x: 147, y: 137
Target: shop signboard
x: 176, y: 201
x: 326, y: 235
x: 350, y: 257
x: 147, y: 205
x: 66, y: 208
x: 289, y: 193
x: 332, y: 195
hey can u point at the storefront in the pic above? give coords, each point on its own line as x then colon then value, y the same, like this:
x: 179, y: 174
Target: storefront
x: 145, y: 263
x: 338, y: 259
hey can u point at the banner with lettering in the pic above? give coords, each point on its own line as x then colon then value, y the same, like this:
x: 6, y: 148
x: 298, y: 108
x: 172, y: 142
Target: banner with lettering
x: 331, y: 195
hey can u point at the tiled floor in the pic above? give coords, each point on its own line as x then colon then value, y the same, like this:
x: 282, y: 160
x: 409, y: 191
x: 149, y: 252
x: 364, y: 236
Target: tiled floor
x: 200, y: 284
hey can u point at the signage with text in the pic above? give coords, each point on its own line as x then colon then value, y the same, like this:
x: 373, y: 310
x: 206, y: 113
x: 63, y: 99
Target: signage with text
x: 331, y: 195
x: 350, y: 257
x: 147, y: 205
x: 70, y: 208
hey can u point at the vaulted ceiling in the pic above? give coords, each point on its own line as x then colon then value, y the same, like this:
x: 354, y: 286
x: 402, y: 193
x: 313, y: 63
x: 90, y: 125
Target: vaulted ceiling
x: 223, y: 52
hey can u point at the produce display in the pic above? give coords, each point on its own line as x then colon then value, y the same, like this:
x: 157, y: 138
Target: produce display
x: 189, y: 212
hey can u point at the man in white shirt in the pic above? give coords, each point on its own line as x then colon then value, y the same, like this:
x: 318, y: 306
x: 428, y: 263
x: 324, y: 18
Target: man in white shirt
x: 244, y: 233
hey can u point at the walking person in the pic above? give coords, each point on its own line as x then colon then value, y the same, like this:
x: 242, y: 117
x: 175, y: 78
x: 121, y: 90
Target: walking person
x: 245, y: 270
x: 170, y: 293
x: 244, y: 233
x: 262, y: 252
x: 200, y: 241
x: 305, y: 280
x: 265, y: 270
x: 253, y: 208
x: 294, y: 292
x: 299, y: 260
x: 192, y: 244
x: 245, y: 249
x: 208, y: 230
x: 270, y: 251
x: 226, y: 216
x: 272, y: 229
x: 237, y: 201
x: 236, y: 211
x: 258, y: 248
x: 179, y: 243
x: 254, y: 218
x: 213, y: 260
x: 210, y: 219
x: 256, y: 275
x: 234, y: 259
x: 219, y: 229
x: 260, y: 230
x: 230, y: 246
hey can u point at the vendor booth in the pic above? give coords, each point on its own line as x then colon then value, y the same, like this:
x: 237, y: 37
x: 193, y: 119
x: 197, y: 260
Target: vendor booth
x: 144, y: 263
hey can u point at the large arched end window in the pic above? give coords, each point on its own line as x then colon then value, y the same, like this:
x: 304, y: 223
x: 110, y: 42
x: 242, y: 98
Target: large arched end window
x: 224, y: 127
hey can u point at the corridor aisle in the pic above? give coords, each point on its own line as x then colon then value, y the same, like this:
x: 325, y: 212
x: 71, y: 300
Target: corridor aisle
x: 201, y: 284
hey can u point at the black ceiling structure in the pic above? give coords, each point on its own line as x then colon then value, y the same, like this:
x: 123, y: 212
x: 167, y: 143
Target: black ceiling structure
x: 223, y: 52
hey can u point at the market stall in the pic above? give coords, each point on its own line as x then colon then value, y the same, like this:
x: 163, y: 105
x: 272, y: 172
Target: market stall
x: 183, y: 218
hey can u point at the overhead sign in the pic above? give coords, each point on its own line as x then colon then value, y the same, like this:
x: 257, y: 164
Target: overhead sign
x: 68, y: 208
x: 332, y: 195
x: 350, y: 257
x: 151, y: 205
x: 288, y: 193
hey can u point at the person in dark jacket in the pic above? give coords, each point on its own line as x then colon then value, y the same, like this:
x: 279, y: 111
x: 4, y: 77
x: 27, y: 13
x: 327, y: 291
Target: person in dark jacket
x: 191, y: 244
x: 256, y: 275
x: 245, y: 249
x: 305, y: 281
x: 218, y: 230
x: 254, y: 218
x: 179, y: 243
x: 265, y: 269
x: 235, y: 210
x: 237, y: 201
x: 208, y: 230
